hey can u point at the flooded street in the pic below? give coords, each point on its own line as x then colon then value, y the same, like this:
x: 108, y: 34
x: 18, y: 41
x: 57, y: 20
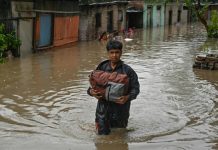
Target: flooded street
x: 44, y: 104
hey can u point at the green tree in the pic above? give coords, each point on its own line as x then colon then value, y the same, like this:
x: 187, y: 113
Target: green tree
x: 200, y: 10
x: 213, y: 27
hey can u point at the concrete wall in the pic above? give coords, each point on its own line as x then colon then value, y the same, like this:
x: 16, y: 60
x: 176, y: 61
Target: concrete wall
x: 87, y: 28
x: 87, y: 24
x: 26, y: 36
x: 160, y: 16
x: 174, y: 7
x: 23, y: 27
x: 157, y: 16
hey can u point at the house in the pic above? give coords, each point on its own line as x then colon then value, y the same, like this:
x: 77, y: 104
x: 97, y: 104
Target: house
x: 41, y: 24
x: 134, y: 14
x: 154, y: 13
x: 175, y: 13
x: 56, y: 22
x: 21, y: 22
x: 99, y: 16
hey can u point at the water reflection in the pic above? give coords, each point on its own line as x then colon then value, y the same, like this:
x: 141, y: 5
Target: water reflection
x: 208, y: 75
x: 116, y: 140
x: 110, y: 146
x: 43, y: 96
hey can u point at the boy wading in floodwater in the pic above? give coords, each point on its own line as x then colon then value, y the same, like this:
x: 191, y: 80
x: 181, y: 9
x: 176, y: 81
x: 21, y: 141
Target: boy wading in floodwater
x: 115, y: 113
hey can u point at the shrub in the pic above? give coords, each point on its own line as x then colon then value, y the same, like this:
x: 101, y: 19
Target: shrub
x: 8, y: 42
x: 3, y: 43
x: 13, y: 43
x: 213, y: 27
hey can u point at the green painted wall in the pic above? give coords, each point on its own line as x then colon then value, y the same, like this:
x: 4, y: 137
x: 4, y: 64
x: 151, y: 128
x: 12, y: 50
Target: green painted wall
x: 153, y: 16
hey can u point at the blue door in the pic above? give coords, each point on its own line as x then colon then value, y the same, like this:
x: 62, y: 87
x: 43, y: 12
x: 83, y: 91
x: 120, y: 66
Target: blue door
x: 45, y: 30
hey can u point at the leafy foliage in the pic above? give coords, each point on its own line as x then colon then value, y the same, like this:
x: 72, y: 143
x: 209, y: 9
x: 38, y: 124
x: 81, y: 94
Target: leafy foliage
x: 8, y: 41
x: 3, y: 43
x: 13, y: 43
x: 200, y: 11
x: 213, y: 27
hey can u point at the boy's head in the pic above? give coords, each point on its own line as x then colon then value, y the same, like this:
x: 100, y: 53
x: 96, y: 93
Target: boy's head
x: 114, y: 50
x: 113, y: 44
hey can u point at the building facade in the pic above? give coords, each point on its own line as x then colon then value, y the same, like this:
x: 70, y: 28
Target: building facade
x: 134, y: 14
x: 154, y: 14
x: 23, y: 19
x: 56, y: 22
x: 97, y: 17
x: 43, y: 23
x: 175, y: 13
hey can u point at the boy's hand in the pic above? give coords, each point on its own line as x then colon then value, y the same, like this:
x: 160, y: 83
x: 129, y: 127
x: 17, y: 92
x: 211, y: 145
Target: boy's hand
x: 122, y: 100
x: 95, y: 94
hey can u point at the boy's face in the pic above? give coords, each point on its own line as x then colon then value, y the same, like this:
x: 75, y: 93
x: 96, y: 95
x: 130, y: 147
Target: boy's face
x: 114, y: 55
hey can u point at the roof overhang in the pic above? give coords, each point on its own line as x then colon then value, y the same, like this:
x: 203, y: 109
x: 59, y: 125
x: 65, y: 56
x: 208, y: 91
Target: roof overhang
x: 105, y: 3
x: 134, y: 11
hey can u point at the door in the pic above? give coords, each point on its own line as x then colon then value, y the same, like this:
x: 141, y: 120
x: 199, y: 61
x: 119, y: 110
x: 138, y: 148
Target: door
x: 65, y: 30
x: 170, y: 17
x: 110, y: 21
x: 149, y: 16
x: 45, y: 30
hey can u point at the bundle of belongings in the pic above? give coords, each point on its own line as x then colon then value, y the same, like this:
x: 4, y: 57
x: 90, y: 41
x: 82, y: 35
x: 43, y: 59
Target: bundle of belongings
x: 111, y: 86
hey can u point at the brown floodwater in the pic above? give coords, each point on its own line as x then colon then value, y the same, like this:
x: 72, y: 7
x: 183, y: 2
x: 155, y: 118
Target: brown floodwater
x: 44, y: 104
